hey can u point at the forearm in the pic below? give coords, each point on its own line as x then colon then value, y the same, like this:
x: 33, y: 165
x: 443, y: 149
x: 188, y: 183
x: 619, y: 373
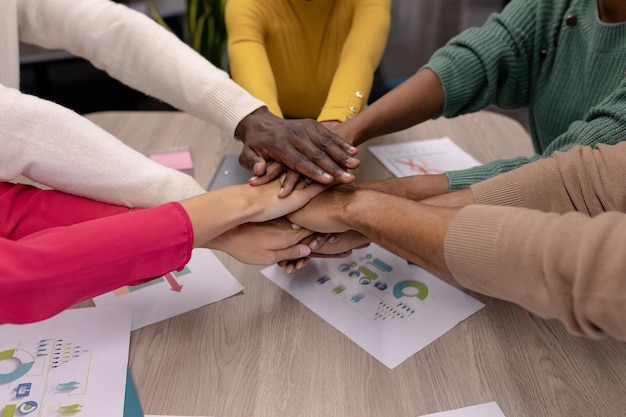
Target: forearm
x: 59, y: 249
x: 411, y: 230
x: 416, y: 187
x: 414, y: 101
x: 249, y: 64
x: 605, y: 123
x: 572, y: 181
x: 567, y: 267
x: 61, y: 149
x: 48, y: 271
x: 212, y: 214
x: 360, y: 56
x: 216, y: 212
x: 137, y: 51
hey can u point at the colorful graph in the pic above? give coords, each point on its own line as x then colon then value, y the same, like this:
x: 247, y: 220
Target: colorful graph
x: 171, y: 279
x: 418, y: 166
x: 24, y: 360
x: 44, y: 361
x: 368, y: 286
x: 423, y: 157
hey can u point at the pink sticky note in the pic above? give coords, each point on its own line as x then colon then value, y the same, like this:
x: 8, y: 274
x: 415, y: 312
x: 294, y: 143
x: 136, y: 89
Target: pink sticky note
x: 177, y: 160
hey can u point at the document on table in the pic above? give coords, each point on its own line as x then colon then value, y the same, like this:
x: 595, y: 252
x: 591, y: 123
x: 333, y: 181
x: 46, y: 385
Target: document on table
x: 483, y: 410
x: 375, y: 298
x: 132, y: 406
x: 73, y: 363
x: 204, y: 280
x: 434, y: 156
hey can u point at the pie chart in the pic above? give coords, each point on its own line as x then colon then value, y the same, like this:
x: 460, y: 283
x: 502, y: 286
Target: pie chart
x: 22, y: 357
x: 408, y: 289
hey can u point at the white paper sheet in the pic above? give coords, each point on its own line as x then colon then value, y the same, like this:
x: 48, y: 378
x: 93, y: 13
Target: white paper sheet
x: 483, y: 410
x: 434, y: 156
x: 388, y: 308
x: 72, y: 363
x: 203, y: 281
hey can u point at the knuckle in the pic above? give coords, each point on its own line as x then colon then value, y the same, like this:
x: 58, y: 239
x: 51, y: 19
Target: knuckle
x: 337, y: 170
x: 344, y: 156
x: 300, y: 159
x: 325, y: 143
x: 317, y: 155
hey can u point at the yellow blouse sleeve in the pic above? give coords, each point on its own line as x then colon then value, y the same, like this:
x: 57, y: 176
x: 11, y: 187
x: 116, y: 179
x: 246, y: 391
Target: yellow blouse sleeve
x: 360, y: 57
x: 248, y: 61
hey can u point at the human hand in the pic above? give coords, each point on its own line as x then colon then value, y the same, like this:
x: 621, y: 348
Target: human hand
x: 339, y: 245
x: 215, y: 212
x: 331, y: 124
x: 313, y: 241
x: 266, y: 205
x: 263, y: 243
x: 288, y: 179
x: 324, y: 212
x: 327, y: 246
x: 303, y: 145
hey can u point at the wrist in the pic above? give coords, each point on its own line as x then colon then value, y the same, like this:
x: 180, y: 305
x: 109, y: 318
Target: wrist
x: 211, y: 214
x: 249, y: 122
x: 415, y: 187
x: 348, y: 131
x: 357, y: 209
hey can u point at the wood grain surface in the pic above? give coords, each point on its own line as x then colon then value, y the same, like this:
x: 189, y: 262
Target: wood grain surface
x: 264, y: 354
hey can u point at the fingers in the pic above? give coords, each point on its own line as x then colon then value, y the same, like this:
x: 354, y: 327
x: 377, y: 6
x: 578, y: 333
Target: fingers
x: 297, y: 251
x: 310, y: 190
x: 317, y: 160
x: 338, y: 139
x: 318, y: 239
x: 288, y: 182
x: 338, y: 244
x: 320, y: 154
x: 343, y: 153
x: 334, y: 255
x: 273, y: 170
x: 251, y: 161
x: 294, y: 264
x: 303, y: 145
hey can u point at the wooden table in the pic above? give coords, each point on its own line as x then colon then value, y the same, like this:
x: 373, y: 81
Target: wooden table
x: 264, y: 354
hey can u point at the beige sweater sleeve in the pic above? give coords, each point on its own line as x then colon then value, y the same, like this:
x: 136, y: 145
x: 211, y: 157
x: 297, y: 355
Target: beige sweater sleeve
x: 137, y: 51
x: 559, y: 251
x: 59, y: 148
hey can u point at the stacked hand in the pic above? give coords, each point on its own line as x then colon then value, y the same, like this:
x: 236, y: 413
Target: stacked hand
x: 302, y: 146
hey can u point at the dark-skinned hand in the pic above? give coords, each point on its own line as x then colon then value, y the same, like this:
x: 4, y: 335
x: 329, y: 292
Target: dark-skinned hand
x: 302, y: 145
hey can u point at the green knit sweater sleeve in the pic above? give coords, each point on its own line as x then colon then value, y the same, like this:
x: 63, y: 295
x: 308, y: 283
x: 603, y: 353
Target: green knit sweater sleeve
x: 604, y: 123
x: 490, y: 64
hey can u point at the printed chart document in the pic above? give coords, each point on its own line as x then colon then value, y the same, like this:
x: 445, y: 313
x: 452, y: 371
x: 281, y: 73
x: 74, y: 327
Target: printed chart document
x: 204, y: 280
x: 482, y: 410
x: 388, y: 308
x: 132, y: 406
x: 73, y: 363
x: 434, y: 156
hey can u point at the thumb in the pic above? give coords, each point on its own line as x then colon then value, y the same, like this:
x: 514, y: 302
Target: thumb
x: 252, y: 162
x: 294, y: 252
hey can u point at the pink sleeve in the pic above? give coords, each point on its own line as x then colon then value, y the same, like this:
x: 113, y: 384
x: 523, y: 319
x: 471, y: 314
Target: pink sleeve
x: 58, y: 249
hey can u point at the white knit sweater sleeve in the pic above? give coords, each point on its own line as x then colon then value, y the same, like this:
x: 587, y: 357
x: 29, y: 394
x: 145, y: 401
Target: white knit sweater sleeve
x: 137, y: 51
x: 59, y: 148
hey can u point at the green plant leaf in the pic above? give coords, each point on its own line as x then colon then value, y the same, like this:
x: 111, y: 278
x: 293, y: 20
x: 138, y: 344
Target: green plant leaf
x: 156, y: 15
